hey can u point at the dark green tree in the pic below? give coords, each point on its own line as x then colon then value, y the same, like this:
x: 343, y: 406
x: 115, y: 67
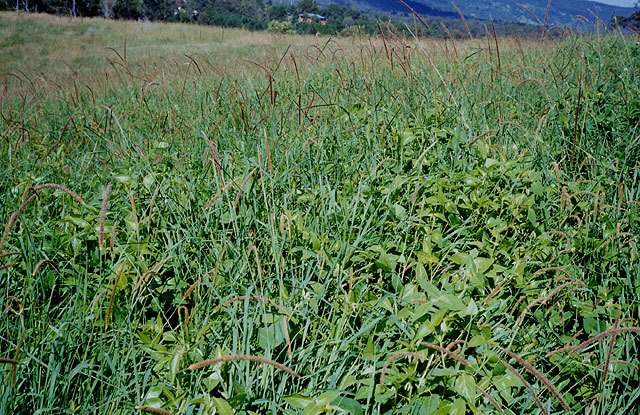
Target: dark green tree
x: 308, y: 6
x: 277, y: 12
x: 128, y: 9
x: 160, y: 9
x: 88, y: 7
x: 631, y: 22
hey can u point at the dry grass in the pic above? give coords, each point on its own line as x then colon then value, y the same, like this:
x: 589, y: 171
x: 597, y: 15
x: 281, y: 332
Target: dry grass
x: 248, y: 358
x: 113, y: 295
x: 541, y: 377
x: 527, y: 385
x: 153, y: 410
x: 97, y: 50
x: 56, y: 186
x: 446, y: 351
x: 575, y: 349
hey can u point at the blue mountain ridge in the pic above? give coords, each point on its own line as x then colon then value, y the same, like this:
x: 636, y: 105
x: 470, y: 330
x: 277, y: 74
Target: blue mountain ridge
x: 561, y: 12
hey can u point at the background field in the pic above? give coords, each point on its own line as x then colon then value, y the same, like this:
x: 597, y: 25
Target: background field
x: 350, y: 225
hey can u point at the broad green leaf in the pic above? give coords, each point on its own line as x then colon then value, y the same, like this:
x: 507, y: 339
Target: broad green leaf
x: 382, y: 394
x: 426, y: 258
x: 489, y: 163
x: 148, y: 181
x: 76, y: 221
x: 483, y: 264
x: 222, y: 406
x: 431, y: 290
x: 152, y: 397
x: 238, y: 401
x: 349, y: 405
x: 428, y: 405
x: 532, y: 217
x: 458, y: 407
x: 176, y: 359
x: 444, y: 372
x: 298, y: 401
x: 409, y: 292
x: 369, y: 350
x: 271, y: 336
x: 387, y: 262
x: 400, y: 212
x: 321, y: 403
x: 537, y: 188
x: 124, y: 179
x: 459, y: 257
x: 449, y: 301
x: 465, y: 385
x: 421, y: 310
x: 505, y: 383
x: 472, y: 308
x: 421, y: 276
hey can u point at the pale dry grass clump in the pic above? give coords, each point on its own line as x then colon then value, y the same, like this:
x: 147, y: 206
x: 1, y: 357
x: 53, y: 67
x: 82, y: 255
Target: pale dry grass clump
x: 141, y: 51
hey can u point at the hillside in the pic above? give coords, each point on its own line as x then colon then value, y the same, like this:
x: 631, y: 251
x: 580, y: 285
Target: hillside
x: 562, y: 12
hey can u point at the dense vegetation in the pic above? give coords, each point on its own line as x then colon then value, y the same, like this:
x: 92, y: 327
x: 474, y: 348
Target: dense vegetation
x: 277, y: 17
x: 347, y: 226
x: 632, y: 22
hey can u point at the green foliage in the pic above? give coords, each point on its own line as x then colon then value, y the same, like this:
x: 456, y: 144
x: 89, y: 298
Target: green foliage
x: 308, y: 6
x: 393, y: 222
x: 160, y: 9
x: 256, y: 15
x: 128, y: 9
x: 276, y: 26
x: 632, y: 22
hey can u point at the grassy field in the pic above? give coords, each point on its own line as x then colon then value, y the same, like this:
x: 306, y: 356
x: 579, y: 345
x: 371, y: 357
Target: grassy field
x: 198, y: 221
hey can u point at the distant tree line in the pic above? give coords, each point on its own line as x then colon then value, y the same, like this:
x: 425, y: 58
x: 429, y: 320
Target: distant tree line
x: 267, y: 14
x: 632, y: 22
x: 117, y: 9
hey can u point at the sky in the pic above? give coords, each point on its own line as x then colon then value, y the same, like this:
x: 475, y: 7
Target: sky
x: 625, y: 3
